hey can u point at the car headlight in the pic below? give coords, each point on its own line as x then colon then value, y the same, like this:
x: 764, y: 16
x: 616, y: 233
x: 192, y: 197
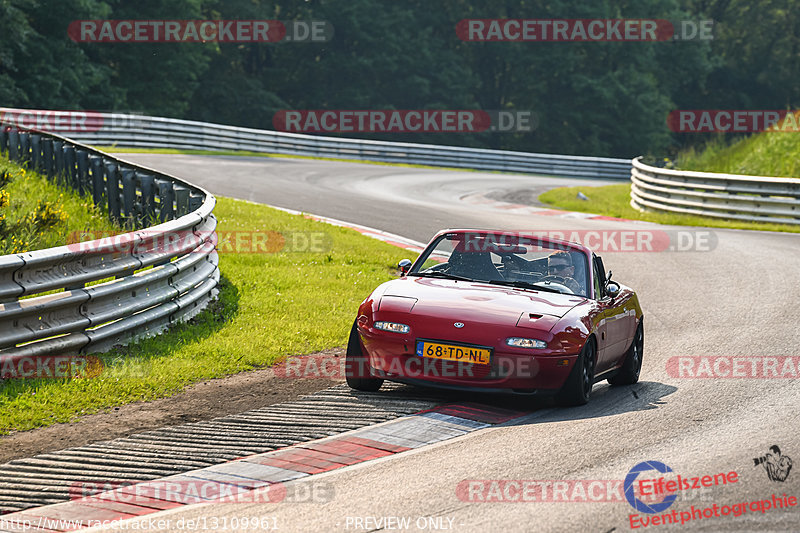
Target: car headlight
x: 519, y: 342
x: 394, y: 327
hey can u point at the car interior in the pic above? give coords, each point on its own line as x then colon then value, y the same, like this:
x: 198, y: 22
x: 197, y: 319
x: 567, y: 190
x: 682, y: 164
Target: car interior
x: 506, y: 263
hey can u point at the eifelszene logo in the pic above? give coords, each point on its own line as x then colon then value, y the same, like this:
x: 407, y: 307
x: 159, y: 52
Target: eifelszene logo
x: 630, y: 484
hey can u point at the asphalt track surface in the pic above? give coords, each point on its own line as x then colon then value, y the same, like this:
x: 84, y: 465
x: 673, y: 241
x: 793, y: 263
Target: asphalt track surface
x: 739, y: 299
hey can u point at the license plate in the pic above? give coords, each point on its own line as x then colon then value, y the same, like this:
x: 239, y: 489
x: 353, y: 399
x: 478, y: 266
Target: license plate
x: 452, y: 352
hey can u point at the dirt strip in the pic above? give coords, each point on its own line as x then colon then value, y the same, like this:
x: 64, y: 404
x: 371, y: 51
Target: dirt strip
x: 202, y: 401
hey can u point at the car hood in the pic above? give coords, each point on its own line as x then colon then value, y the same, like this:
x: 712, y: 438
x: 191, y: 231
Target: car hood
x: 481, y: 302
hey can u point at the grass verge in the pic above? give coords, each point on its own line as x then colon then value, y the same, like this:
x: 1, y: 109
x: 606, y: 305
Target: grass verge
x: 764, y: 154
x: 271, y: 305
x: 39, y: 214
x: 614, y: 201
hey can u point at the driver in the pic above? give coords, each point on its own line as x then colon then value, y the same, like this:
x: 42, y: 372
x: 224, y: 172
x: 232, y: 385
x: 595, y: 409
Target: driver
x: 560, y: 265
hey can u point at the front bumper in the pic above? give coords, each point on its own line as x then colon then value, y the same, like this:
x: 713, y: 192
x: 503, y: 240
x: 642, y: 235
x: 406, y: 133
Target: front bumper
x: 393, y: 357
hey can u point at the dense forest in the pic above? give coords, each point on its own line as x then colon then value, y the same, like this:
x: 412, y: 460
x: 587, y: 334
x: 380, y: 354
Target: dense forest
x: 590, y: 98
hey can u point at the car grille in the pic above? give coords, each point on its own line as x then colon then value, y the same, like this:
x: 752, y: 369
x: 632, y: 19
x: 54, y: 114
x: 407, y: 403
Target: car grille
x: 435, y: 368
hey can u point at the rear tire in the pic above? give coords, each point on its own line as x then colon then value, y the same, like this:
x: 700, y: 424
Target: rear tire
x: 357, y: 366
x: 579, y: 384
x: 628, y: 374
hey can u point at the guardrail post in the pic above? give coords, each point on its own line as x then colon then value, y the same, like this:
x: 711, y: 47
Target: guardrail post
x: 128, y: 196
x: 47, y: 157
x: 166, y: 196
x: 98, y: 179
x: 70, y: 173
x: 181, y: 200
x: 24, y: 147
x: 36, y: 152
x: 58, y: 155
x: 3, y: 139
x: 112, y: 189
x: 82, y: 157
x: 13, y: 145
x: 195, y: 201
x: 147, y: 186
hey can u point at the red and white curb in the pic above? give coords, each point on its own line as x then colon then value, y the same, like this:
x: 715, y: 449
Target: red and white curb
x: 522, y: 209
x: 261, y: 477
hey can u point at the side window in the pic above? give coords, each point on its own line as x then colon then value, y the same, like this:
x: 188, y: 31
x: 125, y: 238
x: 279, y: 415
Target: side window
x: 596, y: 274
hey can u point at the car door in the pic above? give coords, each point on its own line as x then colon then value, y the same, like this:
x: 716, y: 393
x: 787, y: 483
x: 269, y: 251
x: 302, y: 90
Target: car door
x: 601, y: 318
x: 618, y: 317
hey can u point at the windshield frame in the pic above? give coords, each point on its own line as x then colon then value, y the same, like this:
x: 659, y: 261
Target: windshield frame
x: 522, y: 238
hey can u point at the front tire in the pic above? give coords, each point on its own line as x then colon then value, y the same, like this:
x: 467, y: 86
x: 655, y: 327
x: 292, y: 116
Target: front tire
x: 579, y: 384
x: 628, y: 373
x: 356, y: 366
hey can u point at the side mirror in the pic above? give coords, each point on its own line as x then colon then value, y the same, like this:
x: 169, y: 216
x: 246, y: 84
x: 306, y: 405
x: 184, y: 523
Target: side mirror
x: 404, y: 266
x: 612, y: 289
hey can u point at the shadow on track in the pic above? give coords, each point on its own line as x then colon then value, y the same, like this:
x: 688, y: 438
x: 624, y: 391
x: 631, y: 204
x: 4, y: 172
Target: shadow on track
x: 605, y: 401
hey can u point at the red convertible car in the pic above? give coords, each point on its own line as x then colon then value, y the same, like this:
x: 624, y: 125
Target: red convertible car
x: 499, y: 311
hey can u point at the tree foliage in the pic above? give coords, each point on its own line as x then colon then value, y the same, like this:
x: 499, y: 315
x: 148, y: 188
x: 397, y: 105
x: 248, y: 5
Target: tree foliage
x: 606, y: 98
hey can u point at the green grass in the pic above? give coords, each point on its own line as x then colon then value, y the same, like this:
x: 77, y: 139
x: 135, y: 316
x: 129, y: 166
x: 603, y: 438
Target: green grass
x: 614, y: 201
x: 245, y: 153
x: 765, y: 154
x: 26, y: 191
x: 272, y: 305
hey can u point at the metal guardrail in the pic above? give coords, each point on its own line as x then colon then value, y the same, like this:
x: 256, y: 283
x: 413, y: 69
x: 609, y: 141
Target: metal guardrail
x: 140, y: 300
x: 732, y: 196
x: 156, y: 132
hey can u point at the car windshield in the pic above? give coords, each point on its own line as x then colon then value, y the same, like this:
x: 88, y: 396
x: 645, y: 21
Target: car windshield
x: 505, y: 259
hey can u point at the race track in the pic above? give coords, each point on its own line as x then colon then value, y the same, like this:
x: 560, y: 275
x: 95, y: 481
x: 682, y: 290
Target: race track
x: 738, y: 299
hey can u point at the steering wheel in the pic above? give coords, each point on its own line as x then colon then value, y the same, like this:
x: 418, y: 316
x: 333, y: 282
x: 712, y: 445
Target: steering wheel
x: 558, y: 280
